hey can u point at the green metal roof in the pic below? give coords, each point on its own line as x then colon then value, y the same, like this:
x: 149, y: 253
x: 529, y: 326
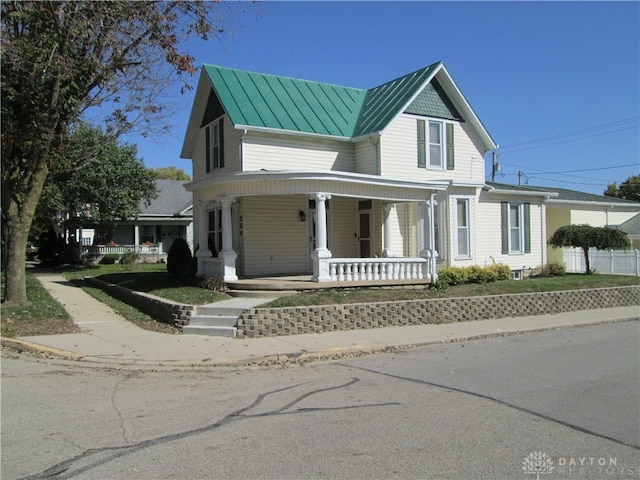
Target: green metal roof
x: 383, y: 103
x: 283, y: 103
x: 274, y: 102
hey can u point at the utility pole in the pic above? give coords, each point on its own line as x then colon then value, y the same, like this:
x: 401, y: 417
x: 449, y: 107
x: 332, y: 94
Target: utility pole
x: 494, y: 167
x: 520, y: 174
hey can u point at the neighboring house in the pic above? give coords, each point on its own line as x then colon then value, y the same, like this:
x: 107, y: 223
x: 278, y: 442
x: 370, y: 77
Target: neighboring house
x: 167, y: 217
x: 570, y: 207
x: 293, y: 177
x: 632, y: 228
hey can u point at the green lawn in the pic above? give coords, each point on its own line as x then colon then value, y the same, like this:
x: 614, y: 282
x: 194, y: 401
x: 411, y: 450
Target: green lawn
x: 46, y: 317
x: 43, y: 316
x: 372, y: 295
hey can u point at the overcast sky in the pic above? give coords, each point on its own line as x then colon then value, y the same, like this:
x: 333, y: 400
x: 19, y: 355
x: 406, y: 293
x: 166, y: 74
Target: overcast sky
x: 556, y: 84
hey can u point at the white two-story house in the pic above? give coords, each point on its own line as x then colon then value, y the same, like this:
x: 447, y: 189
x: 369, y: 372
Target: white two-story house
x: 299, y: 177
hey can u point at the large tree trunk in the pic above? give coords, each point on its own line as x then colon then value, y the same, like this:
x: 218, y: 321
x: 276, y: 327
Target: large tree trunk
x: 18, y: 217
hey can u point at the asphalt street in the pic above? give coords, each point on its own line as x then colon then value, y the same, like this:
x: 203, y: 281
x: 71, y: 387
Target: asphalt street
x: 474, y: 409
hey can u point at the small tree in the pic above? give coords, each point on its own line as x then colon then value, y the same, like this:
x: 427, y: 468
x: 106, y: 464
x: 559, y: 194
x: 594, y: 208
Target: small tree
x: 586, y: 237
x: 179, y: 259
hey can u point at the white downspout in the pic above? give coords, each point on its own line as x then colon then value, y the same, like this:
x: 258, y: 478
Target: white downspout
x: 432, y: 238
x: 241, y: 150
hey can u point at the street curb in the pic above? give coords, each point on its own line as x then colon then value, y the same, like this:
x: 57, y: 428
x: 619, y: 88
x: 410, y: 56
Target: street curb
x: 294, y: 358
x: 24, y: 346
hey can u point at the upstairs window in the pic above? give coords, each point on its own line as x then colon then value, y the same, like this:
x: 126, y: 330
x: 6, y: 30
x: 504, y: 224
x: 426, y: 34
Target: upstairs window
x: 214, y: 134
x: 435, y: 145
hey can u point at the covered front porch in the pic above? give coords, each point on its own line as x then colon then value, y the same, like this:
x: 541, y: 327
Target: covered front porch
x: 337, y: 230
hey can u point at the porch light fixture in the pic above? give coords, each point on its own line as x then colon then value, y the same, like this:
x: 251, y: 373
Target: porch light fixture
x: 302, y: 215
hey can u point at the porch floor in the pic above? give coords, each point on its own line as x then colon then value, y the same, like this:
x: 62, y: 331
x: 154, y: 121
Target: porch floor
x: 304, y: 282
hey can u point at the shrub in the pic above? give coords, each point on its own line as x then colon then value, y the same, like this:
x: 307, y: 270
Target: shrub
x: 473, y: 274
x: 553, y: 269
x: 109, y: 259
x: 179, y: 259
x: 211, y: 283
x: 129, y: 258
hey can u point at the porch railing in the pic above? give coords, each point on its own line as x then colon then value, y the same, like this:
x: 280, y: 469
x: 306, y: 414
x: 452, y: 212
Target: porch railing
x: 121, y: 249
x: 401, y: 268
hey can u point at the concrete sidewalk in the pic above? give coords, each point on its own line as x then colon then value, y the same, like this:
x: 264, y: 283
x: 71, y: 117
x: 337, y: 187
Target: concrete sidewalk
x: 107, y: 338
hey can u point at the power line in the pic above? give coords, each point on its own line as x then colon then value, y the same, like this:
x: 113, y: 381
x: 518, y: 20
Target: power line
x: 571, y: 140
x: 576, y: 132
x: 566, y: 173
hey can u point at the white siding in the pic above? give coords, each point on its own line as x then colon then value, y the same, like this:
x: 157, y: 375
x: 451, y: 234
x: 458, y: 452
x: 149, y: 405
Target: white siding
x: 488, y: 234
x: 344, y: 243
x: 366, y: 158
x: 232, y: 139
x: 280, y: 152
x: 399, y: 153
x: 275, y: 240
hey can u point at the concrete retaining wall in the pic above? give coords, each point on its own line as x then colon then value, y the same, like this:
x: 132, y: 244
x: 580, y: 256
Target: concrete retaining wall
x: 264, y: 322
x: 157, y: 308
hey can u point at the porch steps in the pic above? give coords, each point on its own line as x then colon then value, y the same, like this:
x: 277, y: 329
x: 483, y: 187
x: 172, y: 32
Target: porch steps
x: 219, y: 319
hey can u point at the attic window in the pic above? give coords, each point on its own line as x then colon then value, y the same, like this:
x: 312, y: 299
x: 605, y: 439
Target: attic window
x: 214, y: 134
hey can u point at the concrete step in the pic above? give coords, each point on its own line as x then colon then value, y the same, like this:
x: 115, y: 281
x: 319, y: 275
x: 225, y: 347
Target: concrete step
x: 212, y: 331
x: 214, y: 310
x: 213, y: 320
x: 260, y: 293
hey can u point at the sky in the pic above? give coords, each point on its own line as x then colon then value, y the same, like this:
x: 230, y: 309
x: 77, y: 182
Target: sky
x: 556, y: 84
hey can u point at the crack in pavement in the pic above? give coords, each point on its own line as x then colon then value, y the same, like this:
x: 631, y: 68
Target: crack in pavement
x: 497, y: 400
x: 63, y: 470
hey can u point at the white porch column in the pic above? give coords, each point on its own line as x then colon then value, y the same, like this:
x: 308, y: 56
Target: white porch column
x: 388, y: 247
x: 136, y: 234
x: 428, y: 247
x: 321, y: 254
x: 227, y: 255
x: 203, y: 235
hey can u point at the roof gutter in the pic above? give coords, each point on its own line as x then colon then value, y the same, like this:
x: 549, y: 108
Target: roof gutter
x: 278, y: 131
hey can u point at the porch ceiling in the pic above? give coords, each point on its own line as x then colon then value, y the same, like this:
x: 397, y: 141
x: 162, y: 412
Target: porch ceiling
x: 303, y: 183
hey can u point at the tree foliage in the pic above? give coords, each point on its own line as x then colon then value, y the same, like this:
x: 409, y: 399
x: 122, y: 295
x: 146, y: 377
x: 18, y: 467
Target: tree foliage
x: 628, y: 190
x: 60, y: 59
x: 171, y: 173
x: 111, y: 183
x: 586, y: 237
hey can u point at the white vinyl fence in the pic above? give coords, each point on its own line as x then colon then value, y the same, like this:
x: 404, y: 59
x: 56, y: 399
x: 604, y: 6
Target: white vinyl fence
x: 611, y: 262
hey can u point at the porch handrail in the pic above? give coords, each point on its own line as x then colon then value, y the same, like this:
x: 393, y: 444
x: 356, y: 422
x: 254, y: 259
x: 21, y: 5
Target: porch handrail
x: 121, y: 249
x: 388, y: 268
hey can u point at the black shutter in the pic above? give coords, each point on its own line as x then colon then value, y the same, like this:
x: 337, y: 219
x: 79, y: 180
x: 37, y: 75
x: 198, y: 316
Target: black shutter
x: 527, y: 228
x: 221, y: 133
x: 207, y: 134
x: 422, y: 144
x: 450, y: 157
x: 504, y: 224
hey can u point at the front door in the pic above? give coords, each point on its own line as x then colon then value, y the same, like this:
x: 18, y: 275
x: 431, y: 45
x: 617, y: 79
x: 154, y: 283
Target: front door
x: 365, y: 244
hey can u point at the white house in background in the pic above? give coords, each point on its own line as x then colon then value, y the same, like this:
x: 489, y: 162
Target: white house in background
x: 388, y: 184
x: 168, y: 216
x: 570, y: 207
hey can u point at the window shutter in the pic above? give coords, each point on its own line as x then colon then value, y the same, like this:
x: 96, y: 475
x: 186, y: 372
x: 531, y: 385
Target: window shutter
x: 504, y: 223
x: 527, y: 228
x: 207, y: 134
x: 221, y: 134
x: 450, y: 158
x: 422, y: 140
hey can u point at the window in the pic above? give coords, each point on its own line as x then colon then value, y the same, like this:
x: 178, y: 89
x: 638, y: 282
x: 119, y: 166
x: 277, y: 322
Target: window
x: 215, y: 231
x: 147, y: 234
x: 516, y: 229
x: 463, y: 229
x: 214, y: 139
x: 433, y: 148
